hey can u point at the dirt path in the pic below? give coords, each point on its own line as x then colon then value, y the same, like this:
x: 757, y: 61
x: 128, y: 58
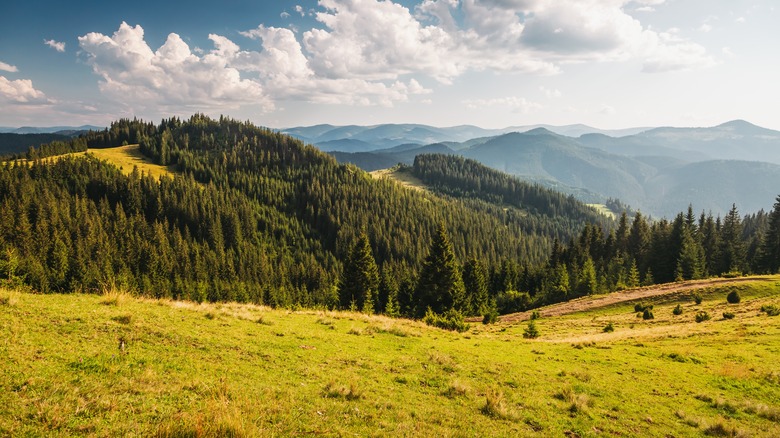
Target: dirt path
x: 594, y: 302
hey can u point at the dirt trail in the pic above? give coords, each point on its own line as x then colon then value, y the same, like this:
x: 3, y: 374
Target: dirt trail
x: 594, y: 302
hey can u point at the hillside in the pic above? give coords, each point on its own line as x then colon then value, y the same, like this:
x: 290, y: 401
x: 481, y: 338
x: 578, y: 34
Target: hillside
x: 250, y: 215
x: 12, y: 143
x: 242, y: 370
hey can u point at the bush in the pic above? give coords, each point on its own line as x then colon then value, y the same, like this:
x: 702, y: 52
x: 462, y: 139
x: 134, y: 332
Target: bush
x: 731, y: 274
x: 609, y: 328
x: 641, y: 307
x: 531, y: 332
x: 733, y: 297
x: 677, y: 310
x: 513, y: 301
x: 702, y: 316
x: 697, y: 298
x: 535, y: 315
x: 728, y: 315
x: 490, y: 316
x: 648, y: 314
x: 449, y: 320
x: 771, y: 310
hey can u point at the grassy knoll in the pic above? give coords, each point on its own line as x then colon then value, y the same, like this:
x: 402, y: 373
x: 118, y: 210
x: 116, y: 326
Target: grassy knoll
x: 222, y: 369
x: 601, y: 208
x: 124, y: 157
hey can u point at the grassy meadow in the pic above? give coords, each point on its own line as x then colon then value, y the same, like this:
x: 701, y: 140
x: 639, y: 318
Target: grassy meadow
x: 114, y: 365
x: 124, y: 157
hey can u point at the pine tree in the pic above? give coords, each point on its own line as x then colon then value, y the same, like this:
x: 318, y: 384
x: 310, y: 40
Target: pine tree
x: 732, y: 250
x: 475, y: 282
x: 440, y: 286
x: 359, y: 280
x: 769, y: 258
x: 586, y: 279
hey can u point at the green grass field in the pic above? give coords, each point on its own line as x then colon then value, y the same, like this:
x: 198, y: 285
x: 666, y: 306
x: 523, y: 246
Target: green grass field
x: 242, y: 370
x: 124, y: 157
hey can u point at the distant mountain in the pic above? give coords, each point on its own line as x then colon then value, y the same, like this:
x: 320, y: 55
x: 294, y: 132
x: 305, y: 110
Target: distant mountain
x: 50, y: 129
x: 382, y: 159
x: 735, y: 140
x: 333, y: 138
x: 659, y: 185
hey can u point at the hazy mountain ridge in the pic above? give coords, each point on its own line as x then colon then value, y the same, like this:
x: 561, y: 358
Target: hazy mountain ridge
x: 660, y: 171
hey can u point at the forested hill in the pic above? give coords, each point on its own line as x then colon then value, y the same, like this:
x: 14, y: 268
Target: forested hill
x: 252, y: 215
x: 462, y: 177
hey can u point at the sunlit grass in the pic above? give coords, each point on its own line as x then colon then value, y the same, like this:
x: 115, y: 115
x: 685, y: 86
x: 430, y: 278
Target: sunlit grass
x: 81, y: 365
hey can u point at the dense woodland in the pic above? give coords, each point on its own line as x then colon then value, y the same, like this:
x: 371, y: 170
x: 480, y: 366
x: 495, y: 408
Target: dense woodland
x: 253, y: 215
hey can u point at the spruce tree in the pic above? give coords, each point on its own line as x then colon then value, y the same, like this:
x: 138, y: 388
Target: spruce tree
x: 440, y: 286
x: 359, y: 280
x: 732, y: 250
x: 586, y: 278
x: 475, y: 282
x: 769, y: 255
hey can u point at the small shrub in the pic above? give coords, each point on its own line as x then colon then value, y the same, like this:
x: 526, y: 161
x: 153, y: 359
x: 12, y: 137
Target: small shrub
x: 771, y: 309
x: 733, y: 297
x: 609, y: 328
x: 490, y: 316
x: 535, y: 315
x: 210, y: 315
x: 641, y: 307
x: 731, y: 274
x: 728, y: 315
x: 677, y: 310
x: 263, y: 321
x: 531, y: 332
x: 702, y: 316
x: 449, y: 320
x: 697, y: 298
x: 648, y: 314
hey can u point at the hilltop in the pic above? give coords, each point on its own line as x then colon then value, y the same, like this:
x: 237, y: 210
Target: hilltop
x: 246, y: 370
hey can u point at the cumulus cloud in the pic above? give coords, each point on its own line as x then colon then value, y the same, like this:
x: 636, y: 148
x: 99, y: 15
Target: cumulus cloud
x: 377, y: 52
x: 56, y: 45
x: 171, y: 75
x: 8, y: 67
x: 20, y: 91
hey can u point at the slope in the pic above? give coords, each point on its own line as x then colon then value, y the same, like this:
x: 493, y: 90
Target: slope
x: 251, y: 215
x: 243, y: 370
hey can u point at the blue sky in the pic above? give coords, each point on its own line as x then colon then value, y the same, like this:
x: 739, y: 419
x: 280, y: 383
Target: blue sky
x: 492, y: 63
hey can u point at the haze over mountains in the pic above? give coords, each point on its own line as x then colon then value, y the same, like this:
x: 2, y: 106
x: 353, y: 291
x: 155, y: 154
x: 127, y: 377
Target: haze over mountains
x: 657, y: 170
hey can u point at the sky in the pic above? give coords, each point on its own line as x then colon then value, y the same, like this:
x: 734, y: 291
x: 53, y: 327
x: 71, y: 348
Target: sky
x: 492, y: 63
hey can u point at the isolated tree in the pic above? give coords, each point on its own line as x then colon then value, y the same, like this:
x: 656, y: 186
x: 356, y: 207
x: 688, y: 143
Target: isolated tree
x: 359, y: 280
x: 440, y: 286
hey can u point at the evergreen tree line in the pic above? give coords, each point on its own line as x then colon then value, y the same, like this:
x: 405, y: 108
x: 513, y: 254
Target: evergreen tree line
x: 251, y: 215
x: 634, y: 254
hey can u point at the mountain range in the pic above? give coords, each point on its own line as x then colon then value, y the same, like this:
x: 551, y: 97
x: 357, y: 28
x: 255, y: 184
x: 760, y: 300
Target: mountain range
x: 659, y: 171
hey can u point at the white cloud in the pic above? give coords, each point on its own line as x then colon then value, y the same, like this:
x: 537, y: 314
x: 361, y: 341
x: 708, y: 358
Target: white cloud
x: 8, y: 67
x: 515, y: 104
x: 705, y: 27
x: 740, y: 20
x: 20, y: 91
x: 550, y: 93
x: 728, y: 52
x: 645, y: 9
x: 172, y: 75
x: 56, y: 45
x: 377, y: 52
x: 284, y: 14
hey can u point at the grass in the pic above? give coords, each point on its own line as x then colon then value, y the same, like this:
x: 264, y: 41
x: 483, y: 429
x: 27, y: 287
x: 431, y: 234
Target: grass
x: 124, y: 157
x: 73, y: 365
x: 604, y: 210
